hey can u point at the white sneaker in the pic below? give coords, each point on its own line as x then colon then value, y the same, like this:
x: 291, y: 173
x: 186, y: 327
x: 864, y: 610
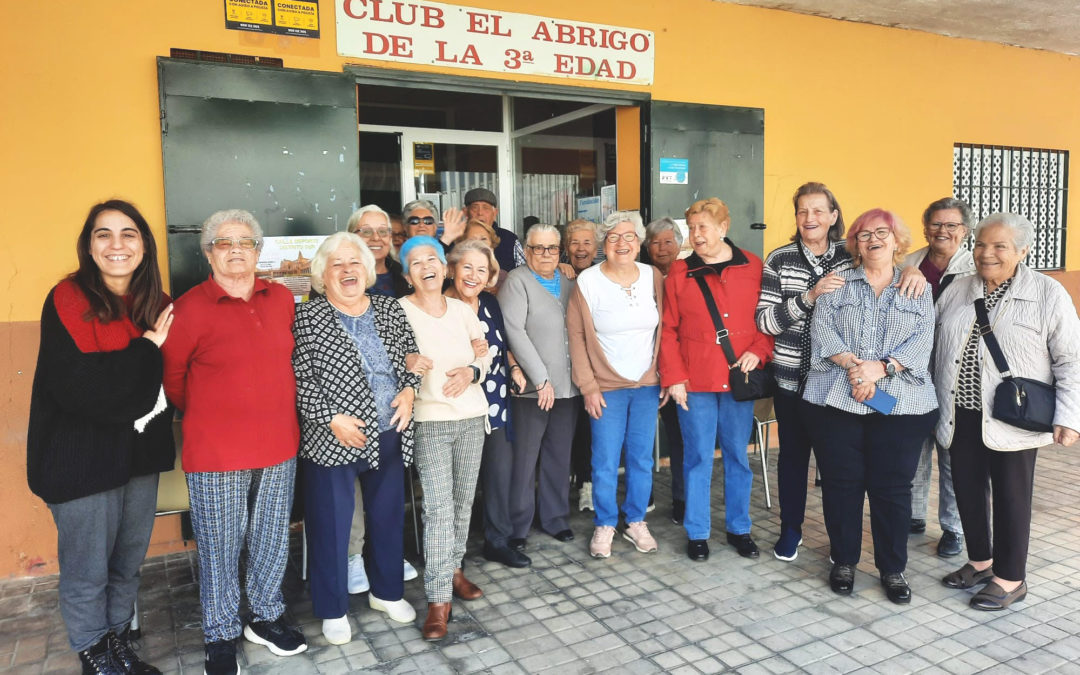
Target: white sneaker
x: 358, y: 581
x: 410, y: 572
x: 337, y: 631
x: 398, y: 610
x: 584, y: 500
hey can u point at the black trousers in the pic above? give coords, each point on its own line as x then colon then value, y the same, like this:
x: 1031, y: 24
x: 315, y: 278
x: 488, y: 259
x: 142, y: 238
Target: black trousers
x: 871, y: 455
x: 980, y: 474
x: 581, y: 450
x: 793, y: 461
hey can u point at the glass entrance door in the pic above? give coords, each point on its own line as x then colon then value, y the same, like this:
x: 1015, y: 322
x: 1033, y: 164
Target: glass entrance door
x: 442, y: 165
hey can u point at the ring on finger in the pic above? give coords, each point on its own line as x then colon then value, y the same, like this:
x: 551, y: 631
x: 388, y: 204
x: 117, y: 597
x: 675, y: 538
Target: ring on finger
x: 858, y: 380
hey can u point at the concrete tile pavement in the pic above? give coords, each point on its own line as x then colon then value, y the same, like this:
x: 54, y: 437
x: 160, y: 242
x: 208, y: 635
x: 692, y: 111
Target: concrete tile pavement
x: 637, y: 613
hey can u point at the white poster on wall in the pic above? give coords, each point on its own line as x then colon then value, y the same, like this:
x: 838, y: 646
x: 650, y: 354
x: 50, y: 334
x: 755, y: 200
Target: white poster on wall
x: 439, y: 34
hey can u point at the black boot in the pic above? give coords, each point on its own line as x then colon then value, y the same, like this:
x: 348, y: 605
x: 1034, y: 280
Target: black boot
x: 99, y: 659
x: 125, y: 655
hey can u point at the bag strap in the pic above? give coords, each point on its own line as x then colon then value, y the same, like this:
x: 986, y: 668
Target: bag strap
x: 718, y: 323
x: 982, y: 317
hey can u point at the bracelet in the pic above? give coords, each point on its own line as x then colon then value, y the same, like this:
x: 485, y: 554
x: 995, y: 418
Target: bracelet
x: 806, y: 299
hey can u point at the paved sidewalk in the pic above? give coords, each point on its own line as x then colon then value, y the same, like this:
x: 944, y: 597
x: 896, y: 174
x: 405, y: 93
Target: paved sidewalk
x: 636, y: 613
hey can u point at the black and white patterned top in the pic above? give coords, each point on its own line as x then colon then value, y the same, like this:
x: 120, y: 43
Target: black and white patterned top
x: 781, y: 312
x: 969, y: 379
x: 330, y: 379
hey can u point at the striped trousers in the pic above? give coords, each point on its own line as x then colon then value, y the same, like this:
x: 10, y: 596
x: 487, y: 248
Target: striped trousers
x: 448, y: 459
x: 228, y: 510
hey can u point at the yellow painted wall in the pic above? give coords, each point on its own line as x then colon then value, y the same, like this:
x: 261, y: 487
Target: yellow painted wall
x: 871, y: 111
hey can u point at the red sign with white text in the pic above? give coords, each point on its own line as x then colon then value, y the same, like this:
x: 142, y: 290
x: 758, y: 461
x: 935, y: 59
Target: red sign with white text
x: 438, y: 34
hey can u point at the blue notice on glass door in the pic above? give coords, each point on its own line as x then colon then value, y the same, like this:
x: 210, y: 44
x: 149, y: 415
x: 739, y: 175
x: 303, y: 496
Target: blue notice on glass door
x: 674, y: 170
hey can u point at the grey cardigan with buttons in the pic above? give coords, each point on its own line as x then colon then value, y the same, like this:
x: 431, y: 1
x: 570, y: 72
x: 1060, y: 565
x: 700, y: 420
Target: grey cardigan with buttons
x: 536, y: 328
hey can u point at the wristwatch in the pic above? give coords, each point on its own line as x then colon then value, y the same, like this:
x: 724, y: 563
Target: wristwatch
x: 890, y: 367
x: 475, y: 373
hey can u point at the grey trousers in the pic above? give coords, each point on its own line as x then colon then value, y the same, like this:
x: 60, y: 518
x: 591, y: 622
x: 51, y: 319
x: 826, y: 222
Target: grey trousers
x: 448, y: 458
x: 948, y: 515
x: 356, y: 531
x: 547, y: 436
x: 495, y: 481
x: 101, y: 541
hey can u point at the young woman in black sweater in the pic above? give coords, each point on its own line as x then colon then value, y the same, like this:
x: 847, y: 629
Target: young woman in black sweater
x: 101, y: 429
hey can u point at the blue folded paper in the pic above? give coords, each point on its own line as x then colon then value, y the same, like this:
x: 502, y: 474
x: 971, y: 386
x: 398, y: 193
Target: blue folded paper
x: 881, y: 401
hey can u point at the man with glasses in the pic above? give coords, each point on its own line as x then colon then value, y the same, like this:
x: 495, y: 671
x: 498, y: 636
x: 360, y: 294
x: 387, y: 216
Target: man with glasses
x: 946, y: 224
x: 481, y: 204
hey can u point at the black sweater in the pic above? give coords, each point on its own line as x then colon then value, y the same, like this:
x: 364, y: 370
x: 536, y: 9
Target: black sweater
x: 83, y: 407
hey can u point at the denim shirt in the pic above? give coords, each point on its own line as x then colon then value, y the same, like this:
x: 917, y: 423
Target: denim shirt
x: 854, y: 319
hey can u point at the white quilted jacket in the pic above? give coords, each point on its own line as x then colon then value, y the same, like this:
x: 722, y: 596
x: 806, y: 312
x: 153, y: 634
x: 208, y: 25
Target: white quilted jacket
x: 1038, y: 329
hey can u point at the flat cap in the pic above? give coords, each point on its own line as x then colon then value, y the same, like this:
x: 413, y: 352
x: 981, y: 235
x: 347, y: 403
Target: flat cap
x: 481, y: 194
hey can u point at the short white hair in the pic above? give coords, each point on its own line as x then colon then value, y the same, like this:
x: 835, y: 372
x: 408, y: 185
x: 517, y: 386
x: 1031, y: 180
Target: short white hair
x: 331, y: 244
x: 537, y: 229
x: 212, y: 224
x: 358, y: 214
x: 1023, y: 230
x: 665, y: 224
x: 616, y: 218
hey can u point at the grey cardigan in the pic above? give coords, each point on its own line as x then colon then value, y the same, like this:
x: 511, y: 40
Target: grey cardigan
x: 536, y: 328
x: 1037, y: 328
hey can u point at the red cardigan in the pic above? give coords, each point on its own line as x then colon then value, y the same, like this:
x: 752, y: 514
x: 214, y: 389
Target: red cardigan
x: 228, y: 368
x: 688, y: 350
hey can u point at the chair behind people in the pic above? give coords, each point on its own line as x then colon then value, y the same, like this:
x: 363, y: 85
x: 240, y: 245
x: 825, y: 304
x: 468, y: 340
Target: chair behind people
x: 764, y: 417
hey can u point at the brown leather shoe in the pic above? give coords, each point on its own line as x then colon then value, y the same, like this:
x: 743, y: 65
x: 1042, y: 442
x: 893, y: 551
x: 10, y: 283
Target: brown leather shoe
x: 438, y: 613
x: 465, y: 589
x: 994, y: 598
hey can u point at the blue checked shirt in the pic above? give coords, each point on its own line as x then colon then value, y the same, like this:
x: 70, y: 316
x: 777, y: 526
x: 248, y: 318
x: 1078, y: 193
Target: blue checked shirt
x: 852, y: 319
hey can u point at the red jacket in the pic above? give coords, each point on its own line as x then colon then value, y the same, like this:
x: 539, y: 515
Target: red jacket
x: 688, y: 349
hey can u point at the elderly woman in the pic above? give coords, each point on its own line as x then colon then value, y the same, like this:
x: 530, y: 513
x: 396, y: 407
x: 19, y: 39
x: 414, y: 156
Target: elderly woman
x: 421, y: 219
x: 355, y: 399
x: 373, y: 226
x: 868, y: 401
x: 473, y: 267
x: 478, y: 230
x: 663, y: 241
x: 946, y: 223
x: 451, y: 415
x: 993, y: 463
x: 794, y: 277
x: 229, y: 369
x: 100, y: 431
x: 613, y: 322
x: 581, y: 249
x: 534, y: 300
x: 694, y: 369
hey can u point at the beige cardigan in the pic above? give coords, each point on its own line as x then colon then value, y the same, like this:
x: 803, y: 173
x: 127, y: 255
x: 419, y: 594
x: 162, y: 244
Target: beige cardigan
x: 589, y: 367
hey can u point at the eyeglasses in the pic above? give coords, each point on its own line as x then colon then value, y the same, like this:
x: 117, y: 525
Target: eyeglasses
x: 226, y: 243
x: 614, y: 237
x: 880, y: 233
x: 416, y: 220
x: 949, y: 227
x: 545, y: 250
x: 368, y: 233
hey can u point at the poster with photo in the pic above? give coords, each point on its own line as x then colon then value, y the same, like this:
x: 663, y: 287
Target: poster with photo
x: 287, y: 260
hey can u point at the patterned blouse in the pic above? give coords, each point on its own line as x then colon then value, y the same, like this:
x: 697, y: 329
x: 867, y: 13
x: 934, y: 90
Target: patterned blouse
x: 375, y: 361
x: 854, y: 319
x: 496, y: 384
x: 969, y: 381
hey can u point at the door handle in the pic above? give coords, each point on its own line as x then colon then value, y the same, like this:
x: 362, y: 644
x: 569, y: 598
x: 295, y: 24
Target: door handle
x: 182, y: 229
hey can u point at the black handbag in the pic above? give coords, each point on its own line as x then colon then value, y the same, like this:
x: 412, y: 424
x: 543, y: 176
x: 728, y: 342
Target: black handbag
x: 758, y: 383
x: 1020, y: 401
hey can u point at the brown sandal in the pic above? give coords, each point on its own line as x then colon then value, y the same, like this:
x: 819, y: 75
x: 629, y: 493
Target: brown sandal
x: 994, y: 598
x: 967, y: 577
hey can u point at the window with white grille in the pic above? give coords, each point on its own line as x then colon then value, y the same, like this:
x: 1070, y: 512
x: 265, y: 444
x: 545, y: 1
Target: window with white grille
x: 1029, y: 181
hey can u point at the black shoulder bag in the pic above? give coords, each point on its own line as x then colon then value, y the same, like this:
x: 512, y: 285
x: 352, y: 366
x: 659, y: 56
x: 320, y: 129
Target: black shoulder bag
x: 758, y: 383
x: 1019, y: 401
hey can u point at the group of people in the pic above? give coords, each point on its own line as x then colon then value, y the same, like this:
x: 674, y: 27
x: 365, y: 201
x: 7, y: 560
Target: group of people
x: 478, y: 358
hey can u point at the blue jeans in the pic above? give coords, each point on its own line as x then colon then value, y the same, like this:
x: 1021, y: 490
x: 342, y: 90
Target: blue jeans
x: 630, y: 416
x: 716, y: 416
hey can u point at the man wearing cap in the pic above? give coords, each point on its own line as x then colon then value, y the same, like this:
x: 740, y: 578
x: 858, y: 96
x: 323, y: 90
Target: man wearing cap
x: 481, y: 204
